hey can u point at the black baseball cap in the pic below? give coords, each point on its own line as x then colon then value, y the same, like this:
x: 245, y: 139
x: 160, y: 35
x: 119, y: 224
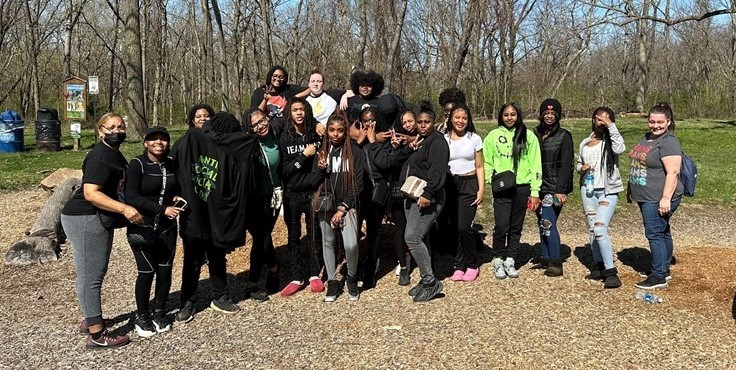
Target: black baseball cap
x: 156, y: 130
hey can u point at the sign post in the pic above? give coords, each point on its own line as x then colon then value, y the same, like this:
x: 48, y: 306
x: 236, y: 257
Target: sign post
x: 94, y: 90
x: 74, y: 91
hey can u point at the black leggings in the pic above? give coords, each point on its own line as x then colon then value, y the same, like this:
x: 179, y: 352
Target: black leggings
x: 399, y: 218
x: 154, y: 259
x: 260, y: 226
x: 509, y: 209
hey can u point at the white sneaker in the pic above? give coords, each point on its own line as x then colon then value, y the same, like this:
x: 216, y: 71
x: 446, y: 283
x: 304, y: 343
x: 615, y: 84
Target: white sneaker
x: 508, y: 266
x: 498, y: 268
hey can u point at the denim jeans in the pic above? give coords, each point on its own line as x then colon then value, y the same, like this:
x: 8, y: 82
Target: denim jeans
x: 549, y: 237
x: 657, y: 231
x: 599, y: 211
x: 418, y: 223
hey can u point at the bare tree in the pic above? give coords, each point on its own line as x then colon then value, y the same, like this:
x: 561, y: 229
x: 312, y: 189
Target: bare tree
x: 134, y: 102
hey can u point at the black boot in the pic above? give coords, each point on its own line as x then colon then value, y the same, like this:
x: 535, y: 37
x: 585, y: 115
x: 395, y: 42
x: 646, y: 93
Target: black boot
x: 554, y: 269
x: 611, y: 278
x: 596, y: 274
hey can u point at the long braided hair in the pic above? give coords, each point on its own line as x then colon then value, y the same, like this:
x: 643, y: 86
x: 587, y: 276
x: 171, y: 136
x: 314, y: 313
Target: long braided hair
x: 607, y: 155
x: 347, y: 177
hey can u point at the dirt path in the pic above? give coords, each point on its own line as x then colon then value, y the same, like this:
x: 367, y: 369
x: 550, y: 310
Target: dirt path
x: 532, y: 321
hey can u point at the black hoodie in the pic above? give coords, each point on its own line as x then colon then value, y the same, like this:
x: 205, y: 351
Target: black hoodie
x: 297, y: 174
x: 430, y: 163
x: 215, y: 174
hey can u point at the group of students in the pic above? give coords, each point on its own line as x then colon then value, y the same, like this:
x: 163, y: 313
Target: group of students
x: 341, y: 158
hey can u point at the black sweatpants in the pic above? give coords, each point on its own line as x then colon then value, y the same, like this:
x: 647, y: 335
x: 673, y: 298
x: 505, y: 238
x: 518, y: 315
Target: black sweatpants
x: 509, y: 209
x: 260, y: 226
x: 373, y: 216
x: 398, y: 215
x: 197, y: 252
x: 461, y: 193
x: 296, y: 204
x: 154, y: 259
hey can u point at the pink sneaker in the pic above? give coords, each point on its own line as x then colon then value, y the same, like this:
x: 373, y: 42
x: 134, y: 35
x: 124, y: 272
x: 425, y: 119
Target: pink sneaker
x: 316, y: 285
x: 470, y: 274
x: 292, y: 288
x: 458, y: 275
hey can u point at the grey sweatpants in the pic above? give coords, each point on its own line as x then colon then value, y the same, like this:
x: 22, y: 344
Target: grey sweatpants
x: 418, y: 223
x: 92, y: 244
x: 349, y: 233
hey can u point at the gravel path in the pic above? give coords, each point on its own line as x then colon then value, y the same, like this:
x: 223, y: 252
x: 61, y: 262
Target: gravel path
x: 533, y: 321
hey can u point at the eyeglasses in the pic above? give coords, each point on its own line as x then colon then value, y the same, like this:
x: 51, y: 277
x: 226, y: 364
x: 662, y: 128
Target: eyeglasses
x: 372, y: 120
x: 114, y: 129
x: 260, y: 123
x: 278, y: 77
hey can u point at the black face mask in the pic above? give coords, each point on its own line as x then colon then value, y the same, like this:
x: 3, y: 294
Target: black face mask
x: 114, y: 139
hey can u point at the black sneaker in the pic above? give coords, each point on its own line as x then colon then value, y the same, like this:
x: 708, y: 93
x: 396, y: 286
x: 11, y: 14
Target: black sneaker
x: 667, y: 275
x: 539, y: 264
x: 333, y: 289
x: 429, y: 292
x: 413, y: 291
x: 160, y: 322
x: 652, y: 282
x: 353, y: 290
x: 258, y: 294
x: 224, y: 305
x: 144, y: 326
x: 186, y: 312
x: 404, y: 277
x: 107, y: 340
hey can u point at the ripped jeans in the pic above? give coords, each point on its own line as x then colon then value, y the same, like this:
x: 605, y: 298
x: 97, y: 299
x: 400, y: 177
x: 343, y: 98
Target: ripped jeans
x: 599, y: 211
x: 549, y: 237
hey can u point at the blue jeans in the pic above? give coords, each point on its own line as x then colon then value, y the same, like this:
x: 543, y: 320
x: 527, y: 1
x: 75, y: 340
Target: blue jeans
x: 599, y: 211
x: 549, y: 237
x: 657, y: 231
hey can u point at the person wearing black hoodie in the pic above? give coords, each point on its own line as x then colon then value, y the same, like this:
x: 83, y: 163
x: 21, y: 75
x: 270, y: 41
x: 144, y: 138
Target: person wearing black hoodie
x: 214, y: 169
x: 299, y: 144
x: 341, y: 169
x: 558, y: 163
x: 264, y: 203
x: 428, y: 162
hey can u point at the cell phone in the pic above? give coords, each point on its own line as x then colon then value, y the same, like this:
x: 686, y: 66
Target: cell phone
x: 180, y: 203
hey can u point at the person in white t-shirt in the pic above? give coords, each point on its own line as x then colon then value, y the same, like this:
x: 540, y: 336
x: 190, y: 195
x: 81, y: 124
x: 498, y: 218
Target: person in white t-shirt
x: 464, y: 188
x: 322, y: 102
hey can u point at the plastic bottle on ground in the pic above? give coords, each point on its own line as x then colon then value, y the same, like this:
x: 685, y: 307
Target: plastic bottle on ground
x: 648, y: 297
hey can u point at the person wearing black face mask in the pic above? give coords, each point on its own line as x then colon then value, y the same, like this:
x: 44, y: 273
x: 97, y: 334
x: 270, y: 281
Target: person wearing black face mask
x: 89, y: 219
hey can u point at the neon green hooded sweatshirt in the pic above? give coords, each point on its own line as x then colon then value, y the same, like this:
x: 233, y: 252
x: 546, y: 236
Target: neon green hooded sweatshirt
x: 498, y: 157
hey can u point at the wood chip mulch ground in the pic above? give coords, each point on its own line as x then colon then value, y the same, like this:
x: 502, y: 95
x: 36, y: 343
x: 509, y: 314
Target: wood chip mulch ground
x: 531, y: 322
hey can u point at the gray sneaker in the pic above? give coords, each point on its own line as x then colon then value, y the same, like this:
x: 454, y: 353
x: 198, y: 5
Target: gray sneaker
x: 498, y: 268
x: 510, y: 269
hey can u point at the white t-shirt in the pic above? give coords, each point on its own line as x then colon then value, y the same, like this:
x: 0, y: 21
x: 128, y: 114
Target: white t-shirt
x: 592, y: 155
x: 322, y: 107
x: 462, y: 152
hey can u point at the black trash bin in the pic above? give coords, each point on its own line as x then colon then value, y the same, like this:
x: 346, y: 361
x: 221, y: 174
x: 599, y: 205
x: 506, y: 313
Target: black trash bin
x: 48, y: 130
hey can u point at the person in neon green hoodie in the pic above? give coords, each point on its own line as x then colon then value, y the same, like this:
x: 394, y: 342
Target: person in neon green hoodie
x: 510, y: 148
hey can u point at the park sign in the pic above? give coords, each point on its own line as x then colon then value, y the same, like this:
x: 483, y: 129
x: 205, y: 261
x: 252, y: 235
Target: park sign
x: 94, y: 85
x: 74, y: 91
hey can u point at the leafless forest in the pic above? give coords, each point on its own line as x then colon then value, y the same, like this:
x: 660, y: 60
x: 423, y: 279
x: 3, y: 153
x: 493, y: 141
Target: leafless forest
x: 156, y: 57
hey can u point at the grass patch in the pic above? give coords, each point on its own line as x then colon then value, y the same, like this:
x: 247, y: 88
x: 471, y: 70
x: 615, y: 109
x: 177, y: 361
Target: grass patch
x: 709, y: 142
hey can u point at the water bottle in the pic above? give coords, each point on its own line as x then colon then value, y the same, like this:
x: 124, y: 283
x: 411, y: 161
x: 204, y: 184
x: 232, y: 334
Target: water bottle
x: 589, y: 183
x: 648, y: 297
x: 548, y: 200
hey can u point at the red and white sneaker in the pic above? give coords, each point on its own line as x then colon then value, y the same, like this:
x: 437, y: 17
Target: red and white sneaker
x: 107, y: 340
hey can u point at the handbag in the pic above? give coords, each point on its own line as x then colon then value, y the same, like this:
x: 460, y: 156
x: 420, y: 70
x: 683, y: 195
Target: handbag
x: 323, y: 202
x: 381, y: 190
x: 413, y: 187
x: 503, y: 181
x: 277, y: 195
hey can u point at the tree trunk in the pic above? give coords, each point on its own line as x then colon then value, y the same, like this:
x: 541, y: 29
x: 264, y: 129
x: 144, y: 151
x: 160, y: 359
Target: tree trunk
x: 395, y: 43
x: 33, y: 52
x: 642, y: 65
x: 224, y: 94
x: 134, y: 71
x: 363, y: 9
x: 266, y: 26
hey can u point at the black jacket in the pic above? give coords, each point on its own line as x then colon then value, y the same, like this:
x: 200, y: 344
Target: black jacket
x: 346, y: 195
x: 215, y: 173
x: 430, y: 163
x: 143, y: 188
x: 297, y: 175
x: 557, y: 160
